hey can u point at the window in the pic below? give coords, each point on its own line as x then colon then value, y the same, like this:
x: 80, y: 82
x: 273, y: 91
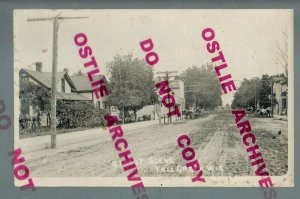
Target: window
x: 284, y: 103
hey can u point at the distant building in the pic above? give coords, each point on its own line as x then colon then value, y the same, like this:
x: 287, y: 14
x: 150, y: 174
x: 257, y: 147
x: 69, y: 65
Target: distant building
x: 280, y: 93
x: 75, y: 88
x: 177, y: 86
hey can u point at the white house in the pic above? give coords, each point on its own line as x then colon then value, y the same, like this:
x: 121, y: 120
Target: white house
x: 75, y: 88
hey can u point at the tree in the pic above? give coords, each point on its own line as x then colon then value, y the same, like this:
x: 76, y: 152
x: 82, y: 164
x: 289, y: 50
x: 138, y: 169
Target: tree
x: 202, y: 87
x: 38, y: 96
x: 248, y: 94
x: 265, y: 92
x: 131, y: 84
x: 282, y: 52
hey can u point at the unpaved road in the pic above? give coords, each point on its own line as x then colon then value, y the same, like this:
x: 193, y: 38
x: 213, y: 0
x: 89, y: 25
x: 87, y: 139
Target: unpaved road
x: 215, y: 138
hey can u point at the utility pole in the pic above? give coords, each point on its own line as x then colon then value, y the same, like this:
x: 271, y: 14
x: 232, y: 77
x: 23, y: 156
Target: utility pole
x: 194, y: 104
x: 255, y: 97
x: 55, y: 21
x: 167, y: 77
x: 272, y: 96
x: 192, y: 88
x: 123, y: 91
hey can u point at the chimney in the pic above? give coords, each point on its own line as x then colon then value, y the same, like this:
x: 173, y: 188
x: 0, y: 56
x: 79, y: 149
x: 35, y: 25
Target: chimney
x: 66, y: 70
x: 38, y: 67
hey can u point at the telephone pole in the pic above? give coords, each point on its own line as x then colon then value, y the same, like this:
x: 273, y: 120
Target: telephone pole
x: 55, y: 21
x: 272, y: 96
x: 167, y: 77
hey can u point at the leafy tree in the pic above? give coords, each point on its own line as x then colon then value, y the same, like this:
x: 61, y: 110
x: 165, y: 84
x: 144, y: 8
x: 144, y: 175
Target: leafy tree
x: 257, y: 89
x: 248, y: 94
x: 131, y: 84
x: 265, y: 92
x: 38, y: 96
x: 202, y: 87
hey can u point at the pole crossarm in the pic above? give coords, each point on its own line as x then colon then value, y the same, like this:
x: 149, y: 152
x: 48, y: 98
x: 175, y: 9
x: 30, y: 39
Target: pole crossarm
x: 166, y: 72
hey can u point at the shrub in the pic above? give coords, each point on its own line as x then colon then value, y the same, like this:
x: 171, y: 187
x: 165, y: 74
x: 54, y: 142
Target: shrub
x: 79, y: 114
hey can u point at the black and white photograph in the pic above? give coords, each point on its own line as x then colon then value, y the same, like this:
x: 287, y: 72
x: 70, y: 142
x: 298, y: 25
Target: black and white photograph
x: 74, y: 68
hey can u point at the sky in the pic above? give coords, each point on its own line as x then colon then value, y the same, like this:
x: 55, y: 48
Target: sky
x: 248, y: 38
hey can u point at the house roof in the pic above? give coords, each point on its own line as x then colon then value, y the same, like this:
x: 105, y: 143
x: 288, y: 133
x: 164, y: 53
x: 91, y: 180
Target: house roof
x: 82, y: 83
x: 72, y: 96
x: 45, y: 78
x: 77, y: 83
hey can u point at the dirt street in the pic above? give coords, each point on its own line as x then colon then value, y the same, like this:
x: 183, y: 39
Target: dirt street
x: 215, y: 139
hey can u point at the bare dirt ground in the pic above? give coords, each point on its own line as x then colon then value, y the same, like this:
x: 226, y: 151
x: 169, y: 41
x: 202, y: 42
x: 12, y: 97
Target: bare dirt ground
x: 215, y: 139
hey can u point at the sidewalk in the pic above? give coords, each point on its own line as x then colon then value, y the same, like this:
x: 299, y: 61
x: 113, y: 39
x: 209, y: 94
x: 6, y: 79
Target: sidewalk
x: 70, y: 140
